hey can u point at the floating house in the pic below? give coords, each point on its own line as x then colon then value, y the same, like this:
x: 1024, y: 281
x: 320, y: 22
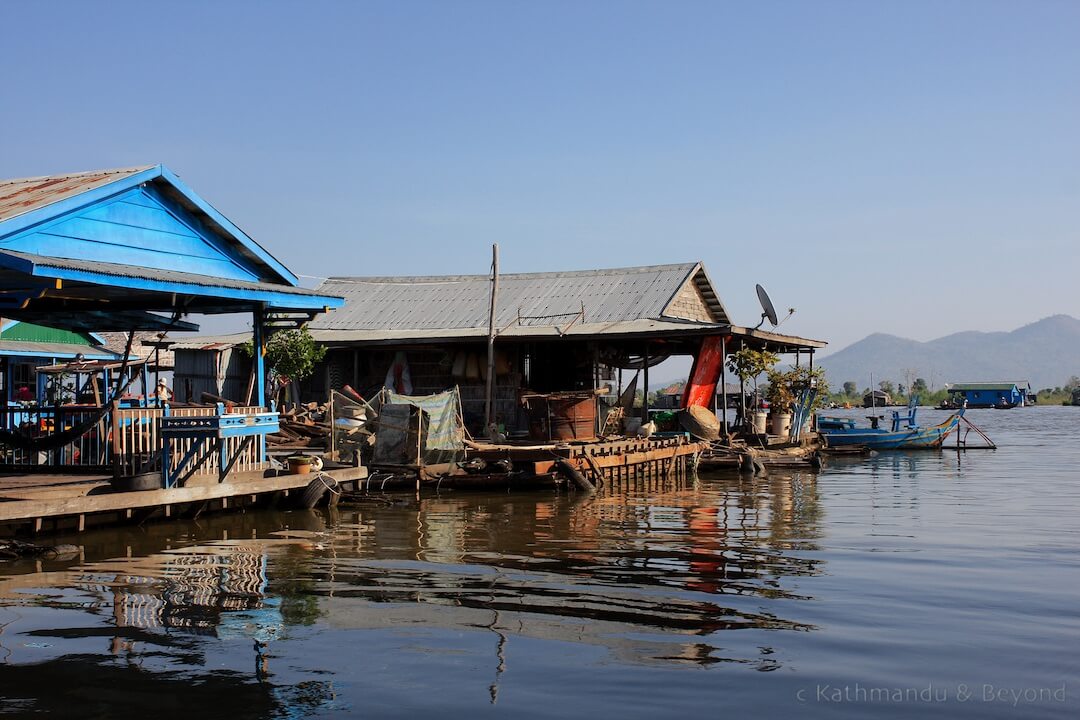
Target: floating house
x: 991, y: 394
x: 26, y: 346
x: 566, y: 346
x: 877, y: 398
x: 133, y: 250
x: 557, y: 332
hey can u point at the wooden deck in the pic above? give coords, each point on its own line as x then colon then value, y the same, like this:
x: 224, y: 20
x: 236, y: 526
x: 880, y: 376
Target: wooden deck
x: 41, y: 503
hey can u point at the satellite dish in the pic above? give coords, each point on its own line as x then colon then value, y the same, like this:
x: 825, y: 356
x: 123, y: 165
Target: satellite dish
x: 768, y: 311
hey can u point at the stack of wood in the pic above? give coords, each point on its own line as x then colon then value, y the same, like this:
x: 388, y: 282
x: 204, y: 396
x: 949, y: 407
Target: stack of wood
x: 302, y: 427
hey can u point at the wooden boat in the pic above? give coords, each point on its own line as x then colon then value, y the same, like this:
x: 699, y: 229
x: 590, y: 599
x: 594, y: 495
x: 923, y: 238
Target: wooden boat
x: 904, y: 434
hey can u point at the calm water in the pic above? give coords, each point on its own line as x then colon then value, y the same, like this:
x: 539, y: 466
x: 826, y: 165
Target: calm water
x: 884, y: 586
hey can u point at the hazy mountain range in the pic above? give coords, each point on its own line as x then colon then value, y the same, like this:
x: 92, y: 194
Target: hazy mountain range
x: 1045, y: 353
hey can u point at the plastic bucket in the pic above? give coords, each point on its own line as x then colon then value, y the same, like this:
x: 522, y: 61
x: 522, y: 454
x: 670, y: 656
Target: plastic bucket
x: 761, y: 420
x: 781, y: 425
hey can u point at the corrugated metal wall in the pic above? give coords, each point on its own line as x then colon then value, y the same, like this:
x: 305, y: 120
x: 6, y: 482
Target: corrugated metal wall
x: 223, y: 373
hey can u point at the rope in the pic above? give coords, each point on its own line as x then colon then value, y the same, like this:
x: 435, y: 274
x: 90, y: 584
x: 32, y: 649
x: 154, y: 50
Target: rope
x: 321, y: 477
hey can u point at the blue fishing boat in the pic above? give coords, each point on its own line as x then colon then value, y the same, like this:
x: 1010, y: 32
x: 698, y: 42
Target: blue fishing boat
x: 904, y: 434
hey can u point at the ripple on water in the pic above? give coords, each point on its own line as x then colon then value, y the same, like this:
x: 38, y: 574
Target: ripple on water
x: 896, y: 570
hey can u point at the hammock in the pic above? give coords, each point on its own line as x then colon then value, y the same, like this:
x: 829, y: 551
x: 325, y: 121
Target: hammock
x: 51, y: 441
x: 21, y: 441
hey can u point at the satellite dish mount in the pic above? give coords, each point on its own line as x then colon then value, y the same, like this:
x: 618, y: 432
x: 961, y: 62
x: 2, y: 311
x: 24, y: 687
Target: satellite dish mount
x: 768, y: 311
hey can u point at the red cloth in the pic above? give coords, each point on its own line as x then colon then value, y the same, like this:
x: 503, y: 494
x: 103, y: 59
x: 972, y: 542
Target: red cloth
x: 701, y: 388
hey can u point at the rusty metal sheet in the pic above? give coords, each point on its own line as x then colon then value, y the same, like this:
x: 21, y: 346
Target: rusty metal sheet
x: 22, y: 195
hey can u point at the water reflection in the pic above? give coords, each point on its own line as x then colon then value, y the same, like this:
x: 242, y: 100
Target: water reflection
x: 117, y: 633
x: 649, y: 574
x: 644, y: 572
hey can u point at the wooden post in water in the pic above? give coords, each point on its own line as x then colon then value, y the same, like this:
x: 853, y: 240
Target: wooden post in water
x: 489, y: 400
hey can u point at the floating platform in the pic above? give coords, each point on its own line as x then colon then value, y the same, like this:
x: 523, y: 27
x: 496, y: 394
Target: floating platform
x: 57, y: 502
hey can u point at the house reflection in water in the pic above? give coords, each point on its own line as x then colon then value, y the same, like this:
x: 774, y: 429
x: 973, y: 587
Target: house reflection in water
x: 650, y: 573
x: 215, y: 590
x: 167, y: 614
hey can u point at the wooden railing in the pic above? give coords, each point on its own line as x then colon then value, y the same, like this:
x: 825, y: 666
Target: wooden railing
x: 139, y: 439
x: 89, y: 451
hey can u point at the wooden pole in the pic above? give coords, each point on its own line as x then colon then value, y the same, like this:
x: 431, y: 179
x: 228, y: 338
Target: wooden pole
x: 157, y: 372
x: 723, y: 386
x: 742, y: 395
x: 645, y: 394
x: 489, y: 397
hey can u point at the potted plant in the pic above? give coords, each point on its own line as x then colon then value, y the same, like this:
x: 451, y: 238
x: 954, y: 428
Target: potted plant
x: 749, y: 364
x: 785, y: 388
x: 300, y: 464
x: 782, y: 395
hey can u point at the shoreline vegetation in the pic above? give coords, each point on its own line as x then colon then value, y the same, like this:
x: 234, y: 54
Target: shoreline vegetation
x: 849, y: 394
x: 933, y: 398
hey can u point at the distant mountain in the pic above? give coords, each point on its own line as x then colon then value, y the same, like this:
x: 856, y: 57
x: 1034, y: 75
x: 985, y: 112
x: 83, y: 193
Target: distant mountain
x: 1046, y: 353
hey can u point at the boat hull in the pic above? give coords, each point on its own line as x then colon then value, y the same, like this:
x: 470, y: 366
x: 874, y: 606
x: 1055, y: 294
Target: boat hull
x: 918, y: 438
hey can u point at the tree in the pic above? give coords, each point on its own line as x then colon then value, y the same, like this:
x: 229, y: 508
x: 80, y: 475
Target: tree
x: 886, y: 386
x: 1073, y: 384
x: 851, y: 389
x: 919, y: 386
x: 294, y: 353
x: 749, y: 364
x: 290, y: 354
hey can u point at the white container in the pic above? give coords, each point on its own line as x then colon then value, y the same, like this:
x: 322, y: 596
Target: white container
x: 781, y: 425
x: 761, y: 419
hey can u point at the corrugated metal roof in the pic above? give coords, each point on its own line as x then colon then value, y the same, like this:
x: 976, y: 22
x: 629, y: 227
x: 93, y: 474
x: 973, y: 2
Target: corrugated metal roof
x: 626, y: 327
x: 1002, y: 385
x: 460, y: 302
x: 23, y: 195
x: 208, y: 342
x: 172, y: 276
x: 51, y: 349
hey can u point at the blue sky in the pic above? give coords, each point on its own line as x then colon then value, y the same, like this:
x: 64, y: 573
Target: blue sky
x: 905, y: 167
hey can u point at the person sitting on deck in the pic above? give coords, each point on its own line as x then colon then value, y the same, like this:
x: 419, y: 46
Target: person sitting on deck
x: 24, y: 394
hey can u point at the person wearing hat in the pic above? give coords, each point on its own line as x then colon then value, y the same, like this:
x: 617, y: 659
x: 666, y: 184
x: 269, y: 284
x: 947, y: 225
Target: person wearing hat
x: 162, y: 392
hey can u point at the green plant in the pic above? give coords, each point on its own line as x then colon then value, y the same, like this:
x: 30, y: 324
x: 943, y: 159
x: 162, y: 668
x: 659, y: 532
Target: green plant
x: 291, y: 354
x: 786, y: 385
x: 749, y: 364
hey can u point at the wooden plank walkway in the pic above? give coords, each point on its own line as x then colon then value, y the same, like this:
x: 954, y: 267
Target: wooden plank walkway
x: 33, y: 499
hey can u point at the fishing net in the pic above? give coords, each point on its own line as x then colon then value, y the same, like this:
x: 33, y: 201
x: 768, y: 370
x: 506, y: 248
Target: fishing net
x: 444, y: 440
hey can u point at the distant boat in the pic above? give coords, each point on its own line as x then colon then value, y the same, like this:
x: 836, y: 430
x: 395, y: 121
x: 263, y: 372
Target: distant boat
x: 904, y: 434
x: 876, y: 398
